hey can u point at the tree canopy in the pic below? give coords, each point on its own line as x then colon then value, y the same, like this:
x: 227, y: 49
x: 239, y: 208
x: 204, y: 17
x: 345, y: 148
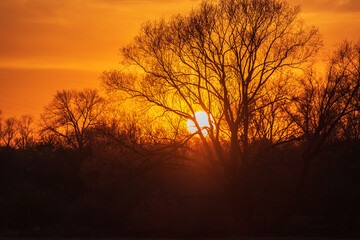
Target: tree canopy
x: 72, y: 114
x: 221, y: 58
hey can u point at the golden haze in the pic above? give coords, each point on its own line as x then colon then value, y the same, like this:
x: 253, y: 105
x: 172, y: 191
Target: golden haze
x: 49, y: 45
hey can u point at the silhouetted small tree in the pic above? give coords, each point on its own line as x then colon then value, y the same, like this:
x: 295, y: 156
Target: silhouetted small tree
x: 9, y: 131
x: 72, y: 114
x: 26, y: 131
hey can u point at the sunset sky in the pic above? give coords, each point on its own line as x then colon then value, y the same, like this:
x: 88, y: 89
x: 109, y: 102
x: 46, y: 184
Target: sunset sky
x: 49, y: 45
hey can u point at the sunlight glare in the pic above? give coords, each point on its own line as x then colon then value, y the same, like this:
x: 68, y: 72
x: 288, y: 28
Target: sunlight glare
x: 203, y: 121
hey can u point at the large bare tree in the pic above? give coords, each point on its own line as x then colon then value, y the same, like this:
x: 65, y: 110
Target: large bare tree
x: 220, y: 58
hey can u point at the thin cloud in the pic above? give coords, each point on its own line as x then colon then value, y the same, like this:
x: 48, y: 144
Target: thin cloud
x: 328, y: 5
x: 82, y: 33
x: 138, y: 1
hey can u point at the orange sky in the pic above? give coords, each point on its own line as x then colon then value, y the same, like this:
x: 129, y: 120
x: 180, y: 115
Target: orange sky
x: 49, y: 45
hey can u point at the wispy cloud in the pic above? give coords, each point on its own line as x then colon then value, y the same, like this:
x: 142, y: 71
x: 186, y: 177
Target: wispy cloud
x: 89, y: 32
x: 74, y: 32
x: 138, y: 1
x: 329, y: 5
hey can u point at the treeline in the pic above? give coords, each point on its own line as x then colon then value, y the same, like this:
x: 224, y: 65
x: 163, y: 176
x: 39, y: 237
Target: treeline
x: 122, y: 183
x: 280, y: 155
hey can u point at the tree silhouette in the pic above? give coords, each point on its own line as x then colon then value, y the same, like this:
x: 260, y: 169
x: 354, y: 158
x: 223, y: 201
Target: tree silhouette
x: 8, y: 132
x: 322, y: 104
x: 26, y: 129
x: 72, y: 114
x: 219, y: 59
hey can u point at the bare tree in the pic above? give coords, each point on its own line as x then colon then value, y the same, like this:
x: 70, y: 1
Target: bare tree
x: 220, y: 59
x: 322, y: 104
x: 72, y: 114
x: 270, y: 122
x: 350, y: 128
x: 8, y: 132
x: 26, y: 129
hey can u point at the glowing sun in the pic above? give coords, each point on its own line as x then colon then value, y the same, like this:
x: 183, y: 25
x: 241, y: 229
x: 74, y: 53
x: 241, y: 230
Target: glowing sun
x: 203, y: 120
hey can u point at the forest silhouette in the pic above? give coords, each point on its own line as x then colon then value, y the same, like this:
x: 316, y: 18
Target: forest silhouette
x: 280, y: 157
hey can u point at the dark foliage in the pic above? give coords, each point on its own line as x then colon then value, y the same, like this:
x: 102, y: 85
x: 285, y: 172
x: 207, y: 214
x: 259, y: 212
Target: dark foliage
x: 281, y: 156
x: 47, y: 191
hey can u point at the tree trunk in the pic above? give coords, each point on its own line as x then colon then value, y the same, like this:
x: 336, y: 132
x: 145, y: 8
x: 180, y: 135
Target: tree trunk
x: 293, y: 200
